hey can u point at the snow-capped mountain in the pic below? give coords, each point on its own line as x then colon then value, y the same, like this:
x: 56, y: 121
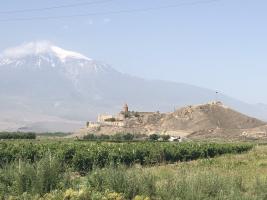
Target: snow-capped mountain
x: 45, y: 87
x: 45, y: 56
x: 41, y: 49
x: 41, y: 66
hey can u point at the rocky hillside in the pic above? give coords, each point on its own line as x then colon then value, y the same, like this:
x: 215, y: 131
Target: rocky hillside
x: 212, y: 120
x: 209, y: 116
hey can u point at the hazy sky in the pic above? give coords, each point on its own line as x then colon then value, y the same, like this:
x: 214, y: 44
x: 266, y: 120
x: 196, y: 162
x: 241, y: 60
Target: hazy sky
x: 220, y: 45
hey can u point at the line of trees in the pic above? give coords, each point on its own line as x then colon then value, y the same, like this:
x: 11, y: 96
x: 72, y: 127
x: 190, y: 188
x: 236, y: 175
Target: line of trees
x: 115, y: 137
x: 126, y: 137
x: 17, y: 135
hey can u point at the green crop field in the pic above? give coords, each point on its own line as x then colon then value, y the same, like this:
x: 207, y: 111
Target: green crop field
x: 141, y: 170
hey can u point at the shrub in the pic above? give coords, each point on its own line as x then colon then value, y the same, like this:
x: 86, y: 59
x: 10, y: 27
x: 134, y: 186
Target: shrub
x: 90, y: 137
x: 110, y: 119
x: 104, y: 137
x: 154, y: 137
x: 128, y: 136
x: 165, y: 137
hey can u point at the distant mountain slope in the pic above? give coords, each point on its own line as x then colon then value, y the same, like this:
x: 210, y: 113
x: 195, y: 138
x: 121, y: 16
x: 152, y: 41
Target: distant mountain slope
x: 46, y: 81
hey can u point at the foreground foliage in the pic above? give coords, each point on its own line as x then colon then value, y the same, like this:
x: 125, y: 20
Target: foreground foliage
x: 242, y: 176
x: 84, y: 156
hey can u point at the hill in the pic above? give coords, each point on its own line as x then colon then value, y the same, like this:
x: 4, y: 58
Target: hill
x: 211, y: 120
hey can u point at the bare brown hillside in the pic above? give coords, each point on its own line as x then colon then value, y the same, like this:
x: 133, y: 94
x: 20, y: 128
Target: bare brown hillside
x: 209, y: 116
x: 212, y: 120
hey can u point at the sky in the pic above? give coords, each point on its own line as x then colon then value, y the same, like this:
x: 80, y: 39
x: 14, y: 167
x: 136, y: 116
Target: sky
x: 220, y: 44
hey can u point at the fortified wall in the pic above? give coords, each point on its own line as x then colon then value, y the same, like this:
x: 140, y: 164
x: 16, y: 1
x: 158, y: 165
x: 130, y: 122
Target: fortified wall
x: 110, y: 120
x: 122, y: 119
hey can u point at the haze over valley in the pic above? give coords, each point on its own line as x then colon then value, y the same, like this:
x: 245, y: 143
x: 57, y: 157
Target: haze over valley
x: 46, y: 88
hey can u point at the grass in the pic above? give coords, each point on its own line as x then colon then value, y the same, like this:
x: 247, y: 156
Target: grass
x: 241, y: 176
x: 230, y: 176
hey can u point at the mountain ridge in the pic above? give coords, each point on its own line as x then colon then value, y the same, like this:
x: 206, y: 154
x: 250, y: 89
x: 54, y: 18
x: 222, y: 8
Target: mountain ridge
x: 78, y: 89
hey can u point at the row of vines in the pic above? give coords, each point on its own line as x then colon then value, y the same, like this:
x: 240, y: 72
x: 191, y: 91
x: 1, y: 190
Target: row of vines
x: 83, y: 156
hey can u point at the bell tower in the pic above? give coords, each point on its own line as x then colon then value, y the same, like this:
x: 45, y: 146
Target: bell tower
x: 125, y: 108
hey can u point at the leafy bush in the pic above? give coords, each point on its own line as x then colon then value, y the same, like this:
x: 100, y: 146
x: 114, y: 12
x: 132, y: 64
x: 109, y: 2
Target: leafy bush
x: 124, y: 181
x: 40, y: 177
x: 110, y: 119
x: 154, y: 137
x: 128, y: 137
x: 122, y: 137
x: 104, y: 137
x: 90, y: 137
x: 165, y: 137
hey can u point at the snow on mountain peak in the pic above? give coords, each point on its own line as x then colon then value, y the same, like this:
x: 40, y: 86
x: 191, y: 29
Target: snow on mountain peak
x: 63, y: 54
x: 41, y: 47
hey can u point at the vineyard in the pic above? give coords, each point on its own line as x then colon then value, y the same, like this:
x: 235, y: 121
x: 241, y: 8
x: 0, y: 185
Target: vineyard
x: 81, y: 170
x: 84, y: 156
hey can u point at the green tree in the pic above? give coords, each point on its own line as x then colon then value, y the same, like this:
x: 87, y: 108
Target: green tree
x: 165, y: 137
x: 154, y: 137
x: 128, y: 136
